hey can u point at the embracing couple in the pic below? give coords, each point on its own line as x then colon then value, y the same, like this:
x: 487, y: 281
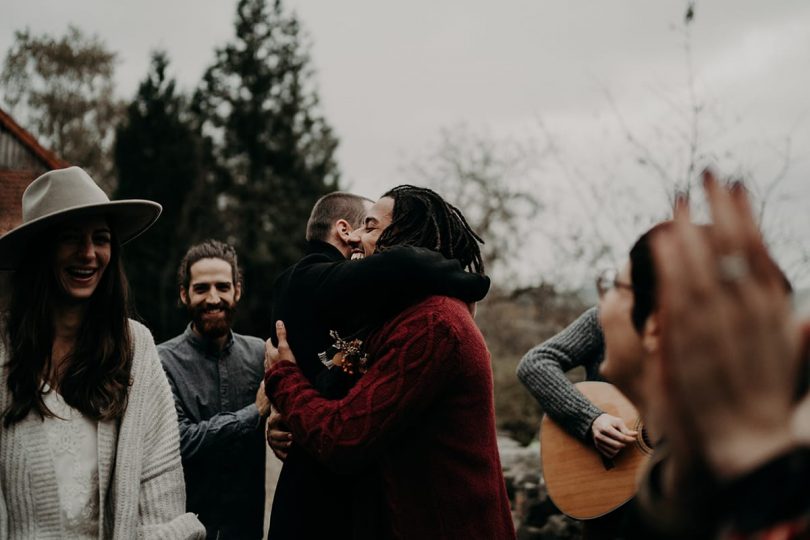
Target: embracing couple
x: 381, y: 380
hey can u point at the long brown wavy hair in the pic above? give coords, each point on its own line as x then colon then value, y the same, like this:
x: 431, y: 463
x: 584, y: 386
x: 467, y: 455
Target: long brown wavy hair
x: 96, y: 378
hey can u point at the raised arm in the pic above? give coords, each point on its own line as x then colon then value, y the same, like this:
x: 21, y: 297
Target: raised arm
x: 732, y: 357
x: 542, y: 371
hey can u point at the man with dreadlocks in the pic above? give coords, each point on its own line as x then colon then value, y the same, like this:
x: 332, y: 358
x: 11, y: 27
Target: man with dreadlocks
x: 422, y: 414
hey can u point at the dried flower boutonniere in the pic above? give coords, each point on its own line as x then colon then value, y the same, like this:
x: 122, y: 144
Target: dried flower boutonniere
x: 348, y: 355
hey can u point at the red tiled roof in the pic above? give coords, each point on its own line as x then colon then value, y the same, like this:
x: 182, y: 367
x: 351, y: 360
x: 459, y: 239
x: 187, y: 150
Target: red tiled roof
x: 14, y: 181
x: 48, y: 158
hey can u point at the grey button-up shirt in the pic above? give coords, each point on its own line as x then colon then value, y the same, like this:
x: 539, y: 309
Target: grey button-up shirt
x: 221, y: 431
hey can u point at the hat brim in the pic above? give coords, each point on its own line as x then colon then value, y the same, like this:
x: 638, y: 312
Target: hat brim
x: 128, y: 219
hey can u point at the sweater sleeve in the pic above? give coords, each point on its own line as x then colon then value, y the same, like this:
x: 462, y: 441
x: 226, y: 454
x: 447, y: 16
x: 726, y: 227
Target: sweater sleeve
x: 162, y: 497
x: 542, y: 371
x: 410, y: 368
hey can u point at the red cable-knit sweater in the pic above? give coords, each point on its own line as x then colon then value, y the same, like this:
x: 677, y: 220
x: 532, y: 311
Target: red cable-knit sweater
x: 423, y: 414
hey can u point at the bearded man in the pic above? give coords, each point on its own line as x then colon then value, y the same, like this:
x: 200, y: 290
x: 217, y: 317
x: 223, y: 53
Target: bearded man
x: 216, y: 378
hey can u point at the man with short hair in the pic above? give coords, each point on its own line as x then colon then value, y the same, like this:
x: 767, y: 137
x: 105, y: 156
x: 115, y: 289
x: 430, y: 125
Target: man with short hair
x: 216, y: 377
x: 422, y: 415
x: 324, y: 292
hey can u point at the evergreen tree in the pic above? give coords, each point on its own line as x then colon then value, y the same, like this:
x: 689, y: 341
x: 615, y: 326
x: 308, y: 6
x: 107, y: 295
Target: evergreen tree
x: 157, y: 156
x: 273, y: 151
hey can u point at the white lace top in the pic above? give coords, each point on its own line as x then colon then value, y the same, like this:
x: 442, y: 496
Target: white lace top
x: 73, y: 440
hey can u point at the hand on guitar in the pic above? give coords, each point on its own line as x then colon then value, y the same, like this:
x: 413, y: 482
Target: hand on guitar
x: 611, y: 434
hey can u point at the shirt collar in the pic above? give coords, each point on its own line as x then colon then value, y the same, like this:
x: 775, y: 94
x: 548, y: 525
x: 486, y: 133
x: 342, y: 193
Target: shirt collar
x: 206, y: 346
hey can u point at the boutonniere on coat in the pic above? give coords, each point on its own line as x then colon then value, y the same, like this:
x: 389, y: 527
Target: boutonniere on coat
x: 347, y: 354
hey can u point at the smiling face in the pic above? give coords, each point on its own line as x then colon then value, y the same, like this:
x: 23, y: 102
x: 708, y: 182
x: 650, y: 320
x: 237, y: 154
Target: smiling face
x: 82, y: 253
x: 211, y: 297
x: 343, y: 231
x: 364, y: 239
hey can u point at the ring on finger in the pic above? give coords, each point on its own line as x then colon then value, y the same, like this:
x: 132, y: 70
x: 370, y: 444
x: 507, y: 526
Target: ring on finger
x: 732, y: 267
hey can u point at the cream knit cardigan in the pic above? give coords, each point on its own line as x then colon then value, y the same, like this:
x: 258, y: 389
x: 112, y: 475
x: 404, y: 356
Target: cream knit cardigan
x: 141, y: 488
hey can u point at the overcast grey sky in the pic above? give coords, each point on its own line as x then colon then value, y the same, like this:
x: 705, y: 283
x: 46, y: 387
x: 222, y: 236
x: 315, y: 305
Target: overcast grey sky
x: 392, y: 74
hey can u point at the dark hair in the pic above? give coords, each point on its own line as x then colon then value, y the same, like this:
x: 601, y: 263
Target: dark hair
x: 642, y: 276
x: 643, y: 279
x: 96, y: 379
x: 332, y: 207
x: 422, y: 218
x: 208, y: 249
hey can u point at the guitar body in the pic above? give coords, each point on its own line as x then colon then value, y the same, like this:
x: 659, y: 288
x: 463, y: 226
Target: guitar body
x: 579, y: 481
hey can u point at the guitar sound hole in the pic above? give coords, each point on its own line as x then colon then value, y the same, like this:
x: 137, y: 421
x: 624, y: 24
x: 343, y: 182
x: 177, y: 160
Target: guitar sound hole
x: 645, y: 437
x: 644, y: 442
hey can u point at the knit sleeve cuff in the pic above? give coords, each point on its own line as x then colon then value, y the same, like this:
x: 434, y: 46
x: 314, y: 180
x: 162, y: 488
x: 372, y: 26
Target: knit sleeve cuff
x: 583, y: 428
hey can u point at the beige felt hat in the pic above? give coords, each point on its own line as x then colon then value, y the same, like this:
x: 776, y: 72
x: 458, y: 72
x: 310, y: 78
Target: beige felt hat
x: 67, y: 193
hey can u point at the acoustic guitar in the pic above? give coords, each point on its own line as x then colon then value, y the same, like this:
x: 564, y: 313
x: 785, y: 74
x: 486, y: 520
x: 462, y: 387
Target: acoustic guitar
x: 581, y: 482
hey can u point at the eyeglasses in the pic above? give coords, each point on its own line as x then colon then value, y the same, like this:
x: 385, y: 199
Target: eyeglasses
x: 608, y: 279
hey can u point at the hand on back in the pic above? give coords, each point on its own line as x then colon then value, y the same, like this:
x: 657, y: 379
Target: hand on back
x: 273, y: 355
x: 278, y: 437
x: 262, y: 402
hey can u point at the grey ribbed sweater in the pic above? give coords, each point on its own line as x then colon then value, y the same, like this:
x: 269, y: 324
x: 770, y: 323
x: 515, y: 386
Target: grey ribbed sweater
x: 141, y: 490
x: 542, y: 371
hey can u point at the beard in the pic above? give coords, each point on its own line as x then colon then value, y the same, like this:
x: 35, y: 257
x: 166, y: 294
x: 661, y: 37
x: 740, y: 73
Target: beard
x: 212, y: 327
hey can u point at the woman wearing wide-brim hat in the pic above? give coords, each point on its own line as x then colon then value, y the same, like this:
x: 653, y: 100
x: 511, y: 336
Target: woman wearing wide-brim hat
x: 89, y: 443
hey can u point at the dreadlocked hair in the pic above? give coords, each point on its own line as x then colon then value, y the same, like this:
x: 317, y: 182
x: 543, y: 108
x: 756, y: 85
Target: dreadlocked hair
x: 422, y: 218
